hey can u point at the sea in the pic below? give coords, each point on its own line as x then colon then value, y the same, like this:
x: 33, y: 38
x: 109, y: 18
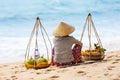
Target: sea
x: 18, y: 17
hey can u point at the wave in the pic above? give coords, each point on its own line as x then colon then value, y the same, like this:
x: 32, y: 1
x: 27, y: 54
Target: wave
x: 19, y: 11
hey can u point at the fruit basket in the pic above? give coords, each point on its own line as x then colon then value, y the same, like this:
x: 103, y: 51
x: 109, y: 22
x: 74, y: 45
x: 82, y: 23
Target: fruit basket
x: 96, y: 54
x: 36, y: 61
x: 40, y: 63
x: 92, y: 53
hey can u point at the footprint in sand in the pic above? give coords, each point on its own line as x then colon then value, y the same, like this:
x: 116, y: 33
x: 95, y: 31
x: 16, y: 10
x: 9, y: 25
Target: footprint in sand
x: 31, y: 78
x: 109, y: 56
x: 19, y: 72
x: 110, y: 67
x: 81, y: 73
x: 16, y: 66
x: 49, y: 70
x: 16, y: 72
x: 63, y: 70
x: 22, y: 71
x: 14, y: 77
x: 54, y: 77
x: 115, y: 77
x: 38, y: 73
x: 119, y: 76
x: 1, y: 67
x: 106, y: 74
x: 12, y: 68
x: 115, y: 62
x: 5, y: 65
x: 45, y: 72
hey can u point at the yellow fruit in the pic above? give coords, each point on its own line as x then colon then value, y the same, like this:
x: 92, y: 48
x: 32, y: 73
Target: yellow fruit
x: 85, y: 53
x: 31, y: 61
x: 42, y: 65
x: 42, y: 59
x: 27, y: 65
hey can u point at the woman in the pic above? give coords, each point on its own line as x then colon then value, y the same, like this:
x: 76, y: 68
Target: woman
x: 63, y: 53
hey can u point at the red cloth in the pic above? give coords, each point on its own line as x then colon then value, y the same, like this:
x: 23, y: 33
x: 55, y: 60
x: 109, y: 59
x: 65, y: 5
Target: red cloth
x: 52, y: 59
x: 77, y: 53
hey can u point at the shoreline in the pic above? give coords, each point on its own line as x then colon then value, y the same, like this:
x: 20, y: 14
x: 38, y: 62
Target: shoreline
x: 107, y: 69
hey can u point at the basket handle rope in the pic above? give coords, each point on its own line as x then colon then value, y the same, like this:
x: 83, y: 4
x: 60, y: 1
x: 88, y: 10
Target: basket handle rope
x: 29, y: 43
x: 36, y: 28
x: 90, y: 25
x: 43, y: 29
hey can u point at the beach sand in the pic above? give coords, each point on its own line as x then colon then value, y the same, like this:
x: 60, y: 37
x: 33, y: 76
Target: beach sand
x: 108, y: 69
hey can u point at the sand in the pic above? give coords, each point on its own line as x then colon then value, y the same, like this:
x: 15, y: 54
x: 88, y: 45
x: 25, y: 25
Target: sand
x: 107, y: 69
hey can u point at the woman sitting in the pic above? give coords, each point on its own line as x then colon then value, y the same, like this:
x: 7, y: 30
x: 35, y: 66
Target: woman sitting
x: 62, y: 52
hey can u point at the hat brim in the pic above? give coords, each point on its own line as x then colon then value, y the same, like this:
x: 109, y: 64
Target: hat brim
x: 63, y: 29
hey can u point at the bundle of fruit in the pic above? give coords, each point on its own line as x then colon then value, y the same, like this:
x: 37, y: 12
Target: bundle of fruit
x: 96, y: 54
x: 37, y: 64
x: 42, y: 63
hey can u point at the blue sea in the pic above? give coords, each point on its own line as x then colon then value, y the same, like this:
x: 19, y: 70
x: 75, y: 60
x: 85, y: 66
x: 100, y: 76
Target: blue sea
x: 17, y: 19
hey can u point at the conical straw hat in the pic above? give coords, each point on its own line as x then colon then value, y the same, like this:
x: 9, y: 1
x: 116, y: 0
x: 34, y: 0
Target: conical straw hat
x: 63, y: 29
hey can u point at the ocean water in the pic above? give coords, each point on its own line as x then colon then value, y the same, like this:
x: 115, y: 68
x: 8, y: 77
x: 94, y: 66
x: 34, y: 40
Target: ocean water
x: 17, y: 19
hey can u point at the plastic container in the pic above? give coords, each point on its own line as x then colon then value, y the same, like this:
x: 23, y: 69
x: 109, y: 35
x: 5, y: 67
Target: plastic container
x: 37, y: 54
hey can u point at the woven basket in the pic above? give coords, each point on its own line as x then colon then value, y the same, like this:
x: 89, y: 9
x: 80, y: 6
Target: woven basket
x: 38, y: 66
x: 93, y: 56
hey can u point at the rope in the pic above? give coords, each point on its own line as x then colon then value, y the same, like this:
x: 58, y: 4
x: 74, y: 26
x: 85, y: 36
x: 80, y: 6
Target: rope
x: 29, y: 43
x: 89, y: 33
x: 83, y: 29
x: 97, y: 36
x: 46, y: 34
x: 44, y: 39
x: 89, y: 24
x: 42, y: 28
x: 36, y: 28
x: 36, y: 42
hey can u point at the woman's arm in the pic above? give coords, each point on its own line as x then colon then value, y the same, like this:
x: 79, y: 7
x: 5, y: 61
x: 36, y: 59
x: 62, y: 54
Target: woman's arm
x: 77, y: 41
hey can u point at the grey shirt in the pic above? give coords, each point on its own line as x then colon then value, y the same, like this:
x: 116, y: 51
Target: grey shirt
x: 63, y: 48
